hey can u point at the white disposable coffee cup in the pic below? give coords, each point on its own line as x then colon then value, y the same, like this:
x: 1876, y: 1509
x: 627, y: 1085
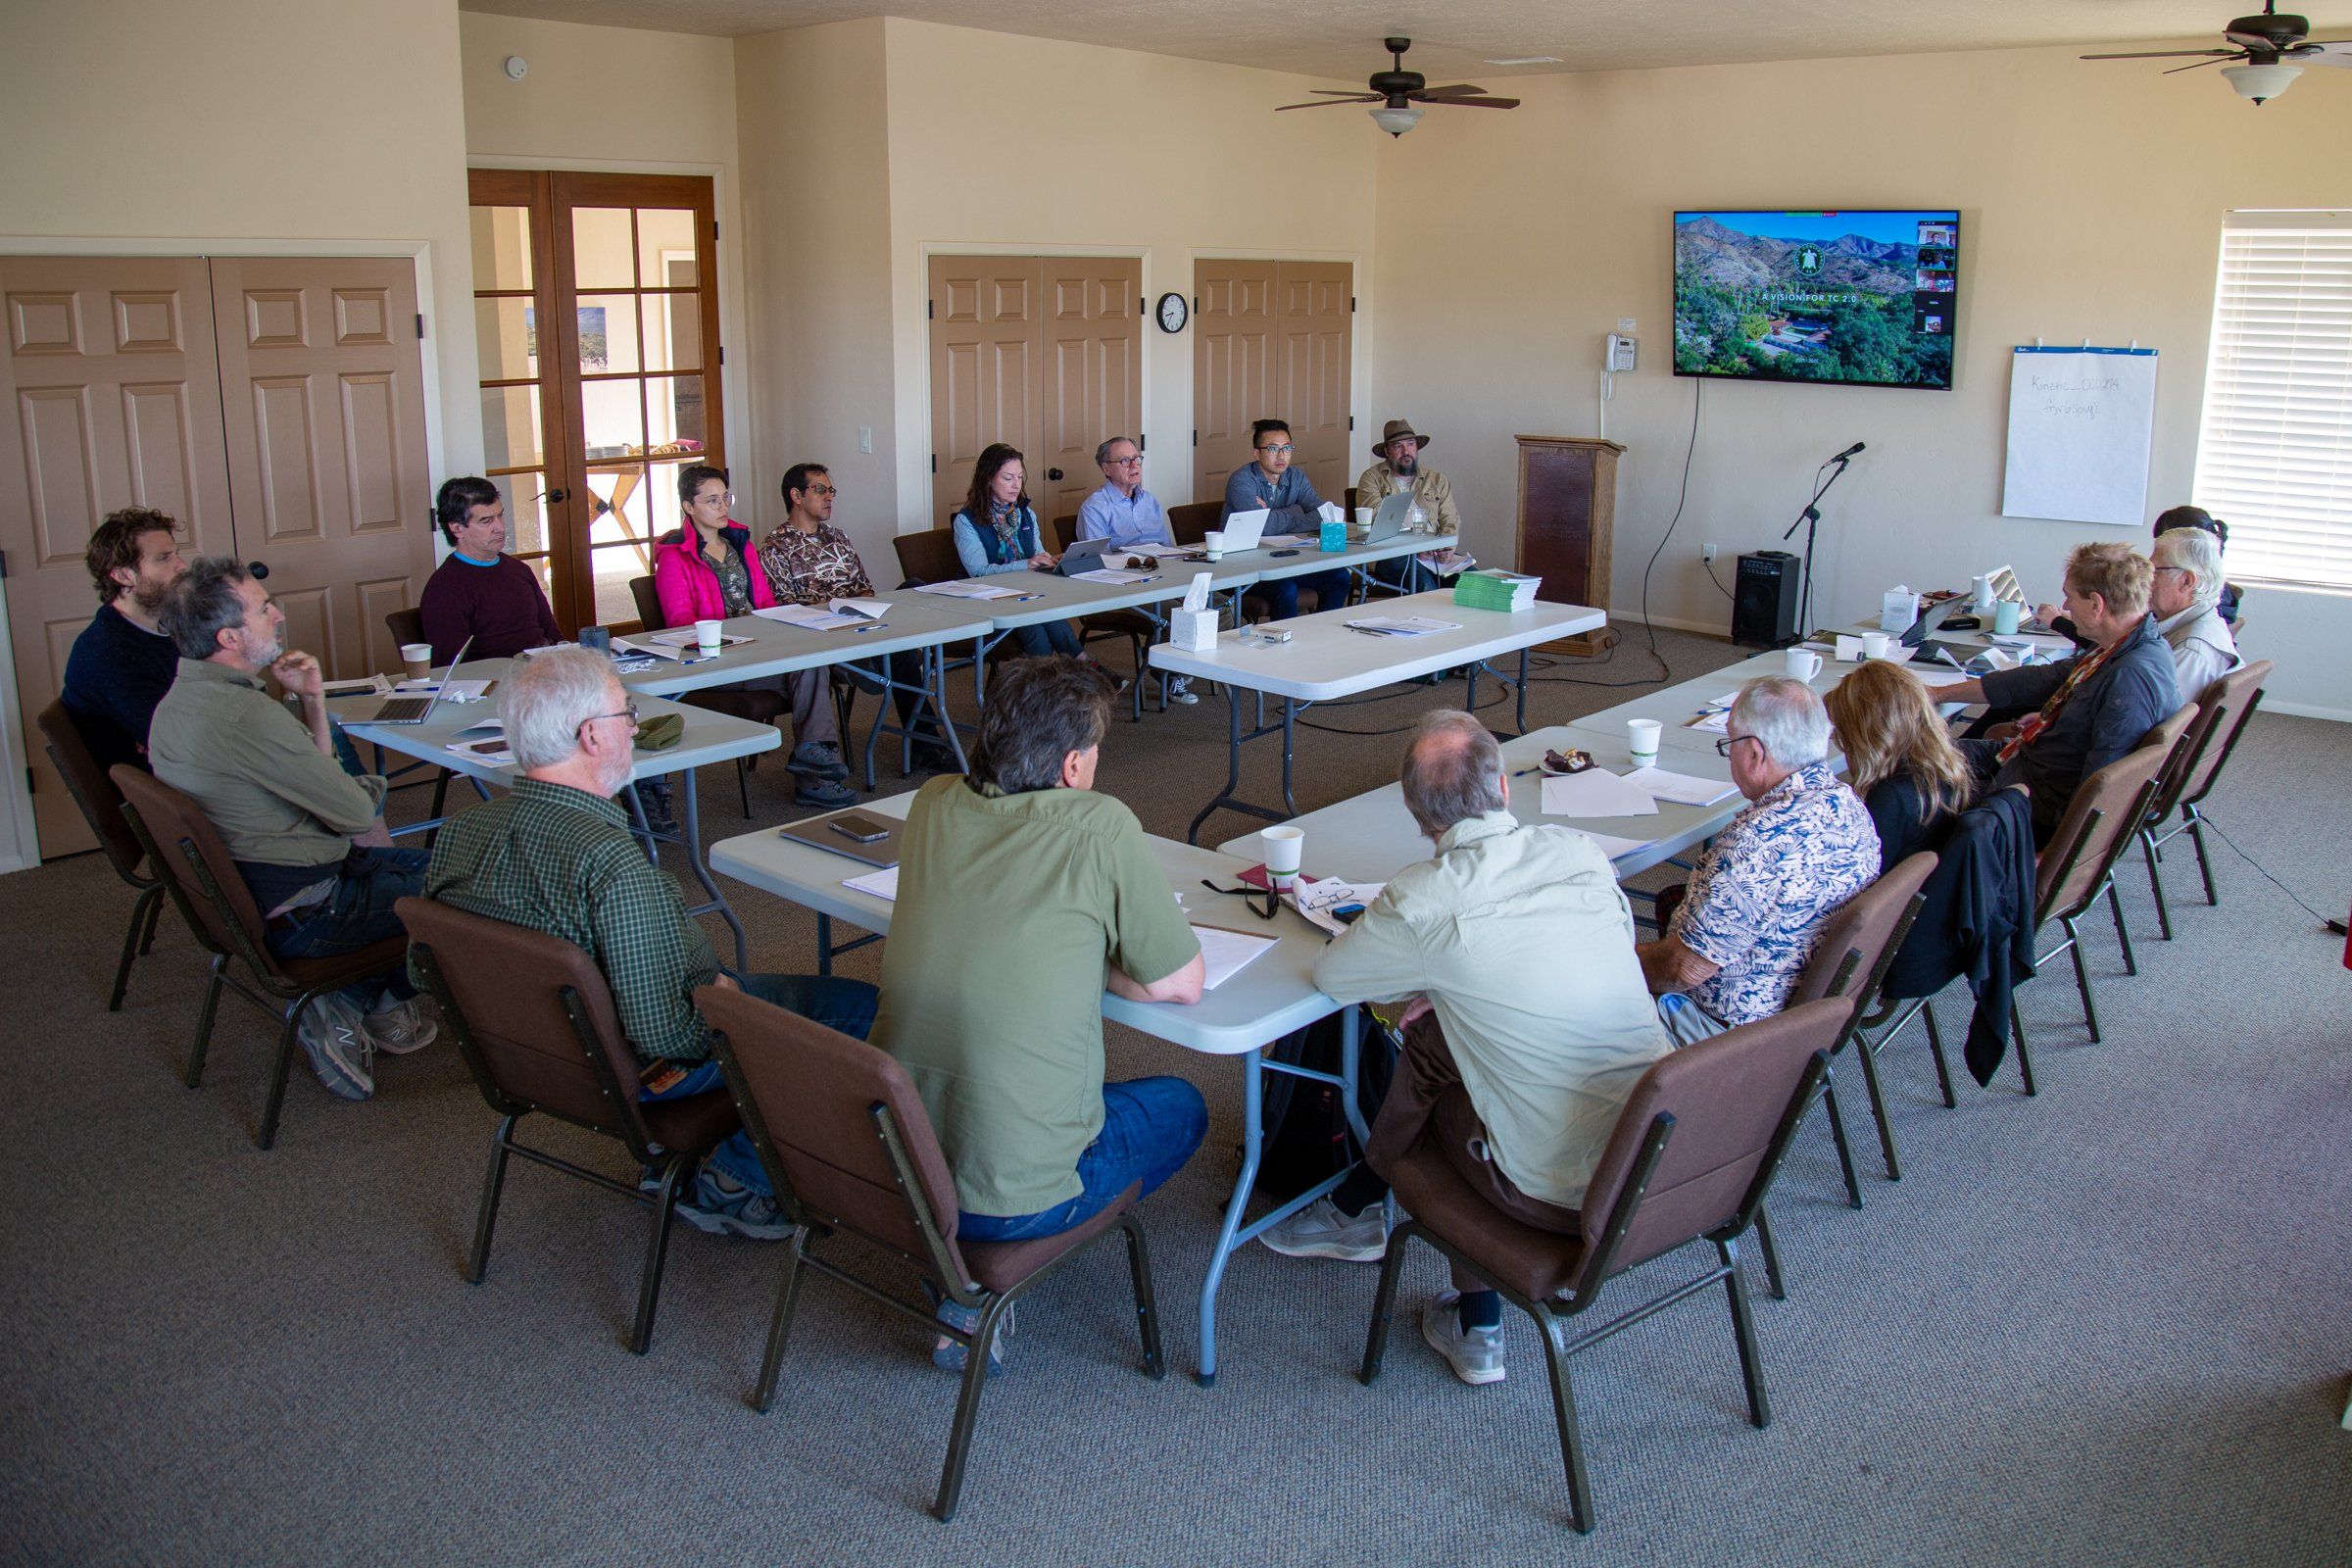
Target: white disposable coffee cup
x: 1285, y: 848
x: 705, y: 636
x: 1802, y: 663
x: 1875, y: 644
x: 416, y: 658
x: 1213, y: 542
x: 1363, y: 516
x: 1642, y: 739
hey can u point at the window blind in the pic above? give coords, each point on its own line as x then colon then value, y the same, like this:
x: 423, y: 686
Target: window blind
x: 2274, y: 449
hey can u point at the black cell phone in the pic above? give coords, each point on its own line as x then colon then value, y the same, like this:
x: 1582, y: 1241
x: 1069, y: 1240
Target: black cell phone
x: 1282, y: 551
x: 859, y: 827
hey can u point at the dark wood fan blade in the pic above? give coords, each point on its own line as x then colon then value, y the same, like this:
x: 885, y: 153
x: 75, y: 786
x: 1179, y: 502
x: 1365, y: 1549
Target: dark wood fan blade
x: 1457, y: 90
x: 1335, y: 103
x: 1336, y: 92
x: 2200, y: 66
x: 1472, y: 103
x: 2163, y: 54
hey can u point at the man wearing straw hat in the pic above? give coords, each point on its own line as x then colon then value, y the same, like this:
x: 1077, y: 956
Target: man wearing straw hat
x: 1398, y: 468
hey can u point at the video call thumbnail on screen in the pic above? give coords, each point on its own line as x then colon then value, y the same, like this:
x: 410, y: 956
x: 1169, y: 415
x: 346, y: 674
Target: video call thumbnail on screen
x: 1845, y: 297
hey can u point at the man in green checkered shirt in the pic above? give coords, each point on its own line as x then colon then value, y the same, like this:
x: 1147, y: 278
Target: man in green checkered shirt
x: 556, y: 856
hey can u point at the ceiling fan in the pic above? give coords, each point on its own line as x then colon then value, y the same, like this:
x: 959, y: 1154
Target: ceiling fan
x: 1398, y: 92
x: 2263, y: 47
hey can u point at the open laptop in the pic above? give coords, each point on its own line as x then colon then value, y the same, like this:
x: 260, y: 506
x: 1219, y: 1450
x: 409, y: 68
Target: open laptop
x: 1390, y: 520
x: 412, y: 709
x: 1244, y: 529
x: 1084, y: 556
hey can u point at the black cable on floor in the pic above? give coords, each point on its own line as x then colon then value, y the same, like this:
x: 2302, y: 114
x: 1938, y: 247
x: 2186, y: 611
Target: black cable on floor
x: 1698, y: 388
x: 1394, y: 729
x: 2323, y: 919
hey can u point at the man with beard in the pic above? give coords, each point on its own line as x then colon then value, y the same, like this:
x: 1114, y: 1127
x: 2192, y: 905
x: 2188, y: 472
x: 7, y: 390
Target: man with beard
x: 123, y: 663
x: 1398, y: 468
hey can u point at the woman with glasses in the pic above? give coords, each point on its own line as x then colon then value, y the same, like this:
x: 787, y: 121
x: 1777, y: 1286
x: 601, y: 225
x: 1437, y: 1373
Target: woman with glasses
x: 1292, y: 507
x: 1899, y: 758
x: 707, y: 570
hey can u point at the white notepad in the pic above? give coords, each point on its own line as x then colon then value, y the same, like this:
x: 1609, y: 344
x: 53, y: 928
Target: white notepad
x: 882, y: 884
x: 1595, y: 791
x: 1681, y: 788
x: 1227, y: 953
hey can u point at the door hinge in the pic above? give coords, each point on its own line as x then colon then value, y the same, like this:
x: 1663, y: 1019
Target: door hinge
x: 1196, y: 305
x: 1140, y: 439
x: 934, y: 463
x: 1351, y: 423
x: 1350, y: 304
x: 715, y: 230
x: 723, y: 354
x: 930, y: 310
x: 419, y: 326
x: 1143, y: 306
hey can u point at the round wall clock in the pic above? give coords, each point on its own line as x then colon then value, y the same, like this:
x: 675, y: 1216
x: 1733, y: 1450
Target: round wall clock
x: 1173, y: 312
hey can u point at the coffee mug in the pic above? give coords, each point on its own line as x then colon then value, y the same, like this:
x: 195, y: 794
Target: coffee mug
x: 1802, y: 663
x: 1642, y: 739
x: 1876, y: 644
x: 2007, y: 615
x: 416, y: 658
x: 1214, y: 543
x: 705, y: 636
x: 1285, y: 848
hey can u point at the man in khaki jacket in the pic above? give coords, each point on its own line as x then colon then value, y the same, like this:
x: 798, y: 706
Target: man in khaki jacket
x: 1398, y: 468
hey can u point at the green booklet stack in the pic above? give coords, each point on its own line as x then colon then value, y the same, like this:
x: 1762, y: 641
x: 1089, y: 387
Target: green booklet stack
x: 1495, y: 589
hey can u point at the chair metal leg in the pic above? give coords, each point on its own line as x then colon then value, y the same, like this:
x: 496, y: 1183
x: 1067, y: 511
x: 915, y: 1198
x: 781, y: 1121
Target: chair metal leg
x: 779, y: 1327
x: 2090, y: 1012
x: 1944, y: 1067
x: 154, y: 915
x: 657, y: 1251
x: 2164, y: 914
x: 743, y: 787
x: 2196, y: 836
x: 1845, y: 1153
x: 282, y: 1069
x: 967, y: 1408
x: 1774, y: 1280
x: 2025, y: 1058
x: 142, y: 922
x: 494, y: 1185
x: 1563, y: 1412
x: 195, y: 1075
x: 1384, y: 1304
x: 2122, y: 933
x: 1147, y: 1303
x: 1878, y: 1103
x: 1744, y: 1329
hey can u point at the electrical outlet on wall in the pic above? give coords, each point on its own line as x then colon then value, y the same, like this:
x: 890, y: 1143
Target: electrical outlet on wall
x: 1706, y: 552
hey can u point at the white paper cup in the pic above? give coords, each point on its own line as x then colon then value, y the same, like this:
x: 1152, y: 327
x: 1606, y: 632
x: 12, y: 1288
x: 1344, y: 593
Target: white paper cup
x: 705, y: 635
x: 1875, y: 644
x: 1802, y: 663
x: 1363, y: 516
x: 1285, y: 848
x: 1213, y: 542
x: 416, y: 658
x: 1642, y: 739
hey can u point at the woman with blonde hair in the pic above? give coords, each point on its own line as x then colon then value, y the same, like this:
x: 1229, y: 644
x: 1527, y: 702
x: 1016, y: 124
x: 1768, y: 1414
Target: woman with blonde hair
x: 1899, y: 758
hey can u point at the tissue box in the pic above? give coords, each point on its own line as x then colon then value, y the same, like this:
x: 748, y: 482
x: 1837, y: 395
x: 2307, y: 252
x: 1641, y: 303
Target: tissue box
x: 1332, y: 535
x: 1193, y: 630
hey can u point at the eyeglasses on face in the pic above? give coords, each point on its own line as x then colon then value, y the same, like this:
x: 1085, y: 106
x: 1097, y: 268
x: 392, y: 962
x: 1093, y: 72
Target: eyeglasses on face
x: 628, y: 710
x: 1723, y: 747
x: 727, y: 501
x: 1129, y: 460
x: 821, y: 490
x: 1277, y: 450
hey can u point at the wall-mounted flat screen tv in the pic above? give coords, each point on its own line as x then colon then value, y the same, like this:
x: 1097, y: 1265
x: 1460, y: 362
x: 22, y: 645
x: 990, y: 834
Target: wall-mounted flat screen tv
x: 1847, y: 298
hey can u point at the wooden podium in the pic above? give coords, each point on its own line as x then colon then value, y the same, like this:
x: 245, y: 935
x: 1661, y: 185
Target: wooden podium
x: 1567, y: 510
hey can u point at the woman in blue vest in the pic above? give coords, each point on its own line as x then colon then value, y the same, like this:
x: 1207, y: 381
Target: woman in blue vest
x: 997, y: 531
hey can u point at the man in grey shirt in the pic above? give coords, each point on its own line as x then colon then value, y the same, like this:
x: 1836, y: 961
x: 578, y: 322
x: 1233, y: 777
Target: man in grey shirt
x: 1528, y: 1021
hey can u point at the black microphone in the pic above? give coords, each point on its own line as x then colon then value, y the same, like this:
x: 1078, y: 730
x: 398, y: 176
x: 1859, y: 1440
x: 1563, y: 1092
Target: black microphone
x: 1849, y: 452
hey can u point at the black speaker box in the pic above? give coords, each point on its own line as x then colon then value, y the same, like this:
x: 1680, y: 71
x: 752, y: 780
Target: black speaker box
x: 1764, y: 599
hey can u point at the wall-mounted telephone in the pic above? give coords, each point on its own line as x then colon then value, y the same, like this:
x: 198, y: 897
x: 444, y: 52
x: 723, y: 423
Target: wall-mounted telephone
x: 1620, y: 353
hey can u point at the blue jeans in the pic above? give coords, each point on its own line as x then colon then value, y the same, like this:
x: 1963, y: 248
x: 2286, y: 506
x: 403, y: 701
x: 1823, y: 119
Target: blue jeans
x: 1052, y: 637
x: 845, y: 1006
x: 1151, y: 1127
x: 357, y: 914
x: 1331, y: 591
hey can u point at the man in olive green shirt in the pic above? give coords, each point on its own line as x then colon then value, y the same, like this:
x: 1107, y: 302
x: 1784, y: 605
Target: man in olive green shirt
x: 287, y: 810
x: 1022, y: 893
x: 1517, y: 943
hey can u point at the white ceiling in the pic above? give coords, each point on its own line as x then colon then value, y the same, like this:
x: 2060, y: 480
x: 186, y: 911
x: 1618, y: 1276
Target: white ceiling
x: 1451, y: 38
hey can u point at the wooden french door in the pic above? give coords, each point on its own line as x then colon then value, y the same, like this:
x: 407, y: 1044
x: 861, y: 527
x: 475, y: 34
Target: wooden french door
x: 1272, y: 340
x: 586, y: 429
x: 1043, y: 353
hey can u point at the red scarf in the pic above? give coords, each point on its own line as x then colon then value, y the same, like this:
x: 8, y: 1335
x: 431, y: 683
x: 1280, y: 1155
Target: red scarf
x: 2033, y: 724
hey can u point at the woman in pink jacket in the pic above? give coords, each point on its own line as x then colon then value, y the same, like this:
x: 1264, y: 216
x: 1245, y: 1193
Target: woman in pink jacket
x: 706, y: 571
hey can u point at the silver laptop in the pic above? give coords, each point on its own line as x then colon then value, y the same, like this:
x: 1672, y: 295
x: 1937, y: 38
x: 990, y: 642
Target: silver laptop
x: 1084, y: 556
x: 861, y: 835
x: 1390, y: 520
x: 414, y: 709
x: 1244, y: 529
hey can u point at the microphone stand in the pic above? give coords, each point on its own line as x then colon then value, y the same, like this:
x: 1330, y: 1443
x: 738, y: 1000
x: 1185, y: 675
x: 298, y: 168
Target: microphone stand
x: 1810, y: 520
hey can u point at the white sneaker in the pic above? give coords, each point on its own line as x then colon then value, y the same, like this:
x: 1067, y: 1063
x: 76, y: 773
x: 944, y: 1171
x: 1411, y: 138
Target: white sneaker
x: 1475, y: 1355
x: 402, y: 1027
x: 1320, y: 1230
x: 340, y: 1051
x: 1180, y: 691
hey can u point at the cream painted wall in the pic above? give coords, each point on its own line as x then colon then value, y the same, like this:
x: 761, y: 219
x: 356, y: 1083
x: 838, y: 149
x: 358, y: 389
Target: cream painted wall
x: 816, y: 162
x: 1086, y: 150
x: 2091, y: 202
x: 621, y: 100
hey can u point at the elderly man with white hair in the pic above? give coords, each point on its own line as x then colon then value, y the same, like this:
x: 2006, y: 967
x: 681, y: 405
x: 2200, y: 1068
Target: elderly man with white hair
x: 2185, y: 597
x: 1736, y: 945
x: 555, y: 855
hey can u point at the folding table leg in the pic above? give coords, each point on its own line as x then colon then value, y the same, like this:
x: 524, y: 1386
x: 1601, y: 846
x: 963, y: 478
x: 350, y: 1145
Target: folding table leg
x: 1252, y: 1134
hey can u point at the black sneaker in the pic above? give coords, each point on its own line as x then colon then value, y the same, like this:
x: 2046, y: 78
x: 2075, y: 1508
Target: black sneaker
x: 818, y: 760
x: 827, y: 793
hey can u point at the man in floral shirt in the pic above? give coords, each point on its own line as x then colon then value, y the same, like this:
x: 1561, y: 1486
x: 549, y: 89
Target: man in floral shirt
x: 1735, y: 947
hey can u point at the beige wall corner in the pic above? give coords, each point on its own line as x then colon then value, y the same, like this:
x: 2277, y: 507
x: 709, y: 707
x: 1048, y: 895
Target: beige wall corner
x: 1000, y: 143
x: 2092, y: 201
x: 816, y: 158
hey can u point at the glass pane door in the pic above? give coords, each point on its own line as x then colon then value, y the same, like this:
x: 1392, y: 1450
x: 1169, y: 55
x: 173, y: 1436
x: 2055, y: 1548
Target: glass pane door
x: 521, y: 445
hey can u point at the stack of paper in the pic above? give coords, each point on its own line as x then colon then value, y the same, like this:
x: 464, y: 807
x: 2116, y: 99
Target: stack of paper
x: 966, y: 588
x: 483, y: 742
x: 686, y: 637
x: 1227, y: 953
x: 1595, y: 791
x: 1681, y: 788
x: 1317, y: 900
x: 832, y: 615
x: 1116, y: 576
x: 882, y: 884
x: 1495, y: 589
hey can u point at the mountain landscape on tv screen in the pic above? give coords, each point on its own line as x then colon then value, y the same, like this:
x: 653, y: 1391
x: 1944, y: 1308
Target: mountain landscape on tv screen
x: 1849, y: 308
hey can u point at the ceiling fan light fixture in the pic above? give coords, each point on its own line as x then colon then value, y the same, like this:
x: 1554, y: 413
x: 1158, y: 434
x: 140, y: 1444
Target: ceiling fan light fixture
x: 1396, y: 121
x: 2259, y: 82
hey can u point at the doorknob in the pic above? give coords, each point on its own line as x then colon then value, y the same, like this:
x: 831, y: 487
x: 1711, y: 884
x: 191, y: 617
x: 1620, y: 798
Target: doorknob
x: 1053, y: 474
x: 558, y: 495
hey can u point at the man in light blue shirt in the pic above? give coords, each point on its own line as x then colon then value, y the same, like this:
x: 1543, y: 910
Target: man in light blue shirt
x: 1129, y: 516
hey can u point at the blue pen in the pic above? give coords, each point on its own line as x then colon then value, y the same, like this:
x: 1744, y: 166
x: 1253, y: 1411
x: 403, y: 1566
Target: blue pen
x: 1022, y: 599
x: 860, y: 631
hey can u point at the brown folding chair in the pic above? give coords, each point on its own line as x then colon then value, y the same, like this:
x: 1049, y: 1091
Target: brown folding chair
x: 101, y: 807
x: 405, y: 625
x: 2077, y: 867
x: 535, y: 1022
x: 408, y: 627
x: 1849, y: 962
x: 1189, y: 523
x: 852, y: 1155
x: 184, y: 845
x: 2225, y: 706
x: 1692, y: 1156
x: 758, y: 705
